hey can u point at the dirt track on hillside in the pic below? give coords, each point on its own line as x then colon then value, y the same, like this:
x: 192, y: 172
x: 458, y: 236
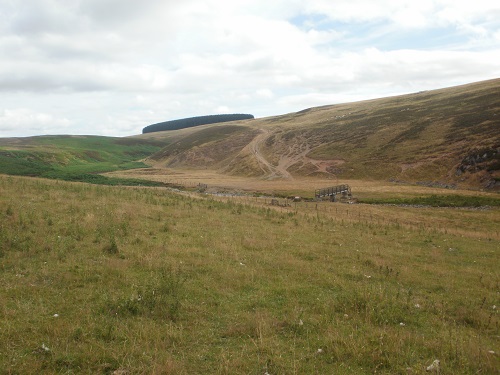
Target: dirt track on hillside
x: 296, y: 153
x: 271, y: 171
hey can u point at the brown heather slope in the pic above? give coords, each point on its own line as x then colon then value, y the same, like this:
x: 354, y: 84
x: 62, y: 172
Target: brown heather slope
x: 449, y: 136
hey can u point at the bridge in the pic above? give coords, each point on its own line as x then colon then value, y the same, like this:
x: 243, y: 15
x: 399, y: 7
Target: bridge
x: 332, y: 192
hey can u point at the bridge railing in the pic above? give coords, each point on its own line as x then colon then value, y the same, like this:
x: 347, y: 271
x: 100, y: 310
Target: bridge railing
x: 334, y: 190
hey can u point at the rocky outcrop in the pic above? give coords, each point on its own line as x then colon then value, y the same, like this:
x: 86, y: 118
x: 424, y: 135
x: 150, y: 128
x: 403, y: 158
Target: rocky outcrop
x: 484, y: 162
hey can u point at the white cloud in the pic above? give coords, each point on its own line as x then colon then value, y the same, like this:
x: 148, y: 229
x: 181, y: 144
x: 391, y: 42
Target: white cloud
x: 265, y: 93
x: 112, y: 67
x: 25, y: 121
x: 222, y: 109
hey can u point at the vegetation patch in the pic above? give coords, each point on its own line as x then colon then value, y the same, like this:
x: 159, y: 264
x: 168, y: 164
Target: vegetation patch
x: 98, y: 179
x: 194, y: 121
x: 438, y: 201
x: 22, y: 163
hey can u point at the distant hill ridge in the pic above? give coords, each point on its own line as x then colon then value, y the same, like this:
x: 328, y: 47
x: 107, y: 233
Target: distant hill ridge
x: 194, y: 121
x: 444, y: 137
x: 447, y: 137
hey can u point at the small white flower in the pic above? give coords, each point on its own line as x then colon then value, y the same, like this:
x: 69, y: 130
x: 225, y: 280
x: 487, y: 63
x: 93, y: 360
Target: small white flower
x: 402, y: 324
x: 56, y: 315
x: 319, y: 351
x: 46, y: 348
x: 434, y: 366
x: 417, y: 306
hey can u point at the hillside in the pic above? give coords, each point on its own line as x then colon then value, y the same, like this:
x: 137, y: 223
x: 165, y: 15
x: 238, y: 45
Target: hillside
x: 75, y: 158
x: 443, y: 137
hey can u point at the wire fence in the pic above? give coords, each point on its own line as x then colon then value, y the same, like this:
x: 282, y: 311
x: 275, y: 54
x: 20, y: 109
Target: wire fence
x: 369, y: 215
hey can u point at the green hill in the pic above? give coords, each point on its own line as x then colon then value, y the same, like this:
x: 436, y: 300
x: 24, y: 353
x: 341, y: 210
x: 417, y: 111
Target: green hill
x: 76, y: 158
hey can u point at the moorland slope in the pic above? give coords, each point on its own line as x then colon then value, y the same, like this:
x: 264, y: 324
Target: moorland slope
x: 448, y: 136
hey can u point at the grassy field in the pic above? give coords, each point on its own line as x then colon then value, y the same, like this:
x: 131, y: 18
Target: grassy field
x: 99, y: 279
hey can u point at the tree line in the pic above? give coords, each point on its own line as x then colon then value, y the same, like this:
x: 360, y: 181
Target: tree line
x: 194, y: 121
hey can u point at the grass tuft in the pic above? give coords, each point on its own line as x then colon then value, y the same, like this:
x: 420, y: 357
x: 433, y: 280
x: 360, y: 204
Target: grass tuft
x: 111, y: 247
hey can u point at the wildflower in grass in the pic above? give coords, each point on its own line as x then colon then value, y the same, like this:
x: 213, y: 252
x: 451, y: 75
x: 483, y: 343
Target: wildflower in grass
x: 402, y: 324
x: 45, y: 348
x: 434, y: 366
x: 56, y: 315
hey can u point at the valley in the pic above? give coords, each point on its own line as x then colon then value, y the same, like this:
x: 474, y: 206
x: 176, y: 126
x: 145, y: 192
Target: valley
x: 203, y: 250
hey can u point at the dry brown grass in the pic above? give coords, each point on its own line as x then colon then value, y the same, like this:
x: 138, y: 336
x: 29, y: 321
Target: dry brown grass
x: 301, y: 185
x: 470, y: 222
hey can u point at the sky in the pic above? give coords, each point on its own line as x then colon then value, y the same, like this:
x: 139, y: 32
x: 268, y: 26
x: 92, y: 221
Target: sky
x: 112, y: 67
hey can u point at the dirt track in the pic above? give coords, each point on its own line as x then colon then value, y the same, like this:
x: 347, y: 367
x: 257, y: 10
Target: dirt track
x: 296, y: 154
x: 271, y: 171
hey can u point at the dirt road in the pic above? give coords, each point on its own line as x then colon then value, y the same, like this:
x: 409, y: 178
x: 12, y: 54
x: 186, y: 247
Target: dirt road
x: 271, y: 171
